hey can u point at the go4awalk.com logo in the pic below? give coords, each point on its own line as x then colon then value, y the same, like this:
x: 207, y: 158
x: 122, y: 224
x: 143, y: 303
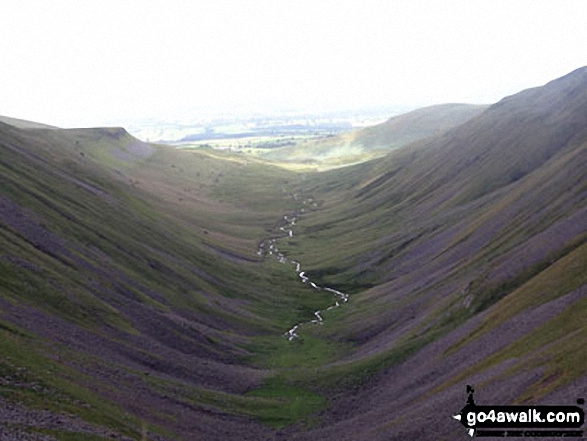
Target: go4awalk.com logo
x: 521, y: 421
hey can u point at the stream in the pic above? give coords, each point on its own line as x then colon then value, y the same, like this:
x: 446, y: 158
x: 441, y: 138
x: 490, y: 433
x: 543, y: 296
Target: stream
x: 269, y: 247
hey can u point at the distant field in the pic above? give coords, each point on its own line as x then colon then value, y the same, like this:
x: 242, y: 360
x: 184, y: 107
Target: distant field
x: 274, y: 150
x: 324, y: 149
x: 249, y: 144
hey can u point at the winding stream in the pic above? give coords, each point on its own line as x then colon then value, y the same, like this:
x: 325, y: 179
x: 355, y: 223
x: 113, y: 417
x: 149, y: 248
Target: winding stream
x: 269, y: 247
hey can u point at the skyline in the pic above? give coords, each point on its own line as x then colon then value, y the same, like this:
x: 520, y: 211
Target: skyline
x: 74, y: 64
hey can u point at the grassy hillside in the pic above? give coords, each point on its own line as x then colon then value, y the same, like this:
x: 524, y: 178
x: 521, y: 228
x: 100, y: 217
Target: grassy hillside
x: 417, y: 124
x: 378, y: 140
x: 24, y: 124
x: 466, y: 257
x: 134, y: 304
x: 133, y: 267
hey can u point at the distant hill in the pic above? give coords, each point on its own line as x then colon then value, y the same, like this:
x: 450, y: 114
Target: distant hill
x: 418, y: 124
x: 24, y: 124
x: 378, y: 140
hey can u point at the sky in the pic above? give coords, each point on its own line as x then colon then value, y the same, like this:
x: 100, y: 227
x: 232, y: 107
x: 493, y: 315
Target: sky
x: 91, y: 63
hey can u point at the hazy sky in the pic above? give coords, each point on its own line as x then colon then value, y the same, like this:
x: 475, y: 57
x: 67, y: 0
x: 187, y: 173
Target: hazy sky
x: 92, y: 62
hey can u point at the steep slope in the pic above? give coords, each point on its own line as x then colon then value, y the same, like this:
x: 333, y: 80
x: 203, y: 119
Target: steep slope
x: 417, y: 124
x: 473, y: 245
x: 378, y: 140
x: 24, y: 124
x: 131, y: 292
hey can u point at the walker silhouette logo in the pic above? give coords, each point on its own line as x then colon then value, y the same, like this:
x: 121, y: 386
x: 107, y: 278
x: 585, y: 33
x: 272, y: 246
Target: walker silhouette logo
x: 521, y: 421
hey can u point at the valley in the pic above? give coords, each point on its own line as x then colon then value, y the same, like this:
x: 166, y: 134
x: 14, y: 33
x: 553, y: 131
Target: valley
x: 149, y: 292
x: 269, y: 247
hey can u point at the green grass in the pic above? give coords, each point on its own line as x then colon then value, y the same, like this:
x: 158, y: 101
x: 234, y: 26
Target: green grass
x: 556, y: 344
x: 293, y: 404
x: 141, y: 240
x: 278, y: 402
x: 309, y: 350
x: 563, y: 276
x: 39, y: 382
x: 45, y: 289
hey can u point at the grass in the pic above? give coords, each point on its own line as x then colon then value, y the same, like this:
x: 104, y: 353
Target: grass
x: 46, y: 290
x: 277, y: 402
x: 156, y: 256
x: 556, y: 345
x: 144, y: 245
x: 295, y: 404
x: 309, y: 350
x: 565, y: 275
x: 39, y: 382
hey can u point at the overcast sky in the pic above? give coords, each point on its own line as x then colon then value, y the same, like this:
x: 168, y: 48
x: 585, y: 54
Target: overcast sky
x: 86, y: 62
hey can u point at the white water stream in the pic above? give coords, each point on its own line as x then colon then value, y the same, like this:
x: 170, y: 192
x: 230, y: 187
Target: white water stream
x: 269, y: 247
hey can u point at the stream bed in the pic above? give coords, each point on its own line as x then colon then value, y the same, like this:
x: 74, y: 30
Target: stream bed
x: 269, y: 247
